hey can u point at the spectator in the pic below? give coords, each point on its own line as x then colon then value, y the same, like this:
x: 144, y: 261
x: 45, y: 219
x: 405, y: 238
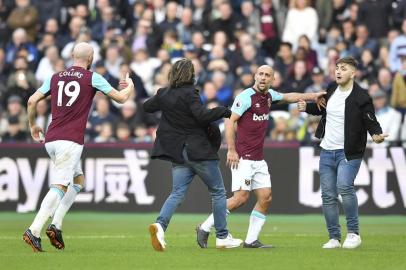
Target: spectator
x: 376, y: 15
x: 362, y: 42
x: 5, y: 10
x: 348, y: 33
x: 198, y: 41
x: 171, y: 21
x: 101, y: 69
x: 141, y: 134
x: 340, y: 11
x: 141, y: 35
x: 99, y: 116
x: 398, y: 99
x: 159, y: 10
x: 367, y: 69
x: 389, y: 118
x: 209, y: 92
x: 113, y: 61
x: 47, y: 65
x: 114, y: 37
x: 20, y: 41
x: 385, y: 80
x: 47, y: 40
x: 129, y: 114
x: 318, y: 80
x: 140, y: 92
x: 311, y: 55
x: 251, y: 20
x: 43, y: 117
x: 301, y: 20
x: 21, y: 81
x: 14, y: 108
x: 14, y: 132
x: 3, y: 67
x: 398, y: 45
x: 187, y: 27
x: 47, y: 9
x: 106, y: 134
x: 134, y: 17
x: 245, y: 78
x: 123, y: 133
x: 172, y: 45
x: 84, y: 36
x: 144, y: 66
x: 299, y: 78
x: 201, y: 75
x: 284, y: 60
x: 280, y: 130
x: 228, y: 22
x: 99, y: 29
x: 201, y: 14
x: 75, y: 25
x: 25, y: 16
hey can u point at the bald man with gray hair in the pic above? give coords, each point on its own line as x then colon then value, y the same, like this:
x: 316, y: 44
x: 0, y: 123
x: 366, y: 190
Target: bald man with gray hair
x: 245, y: 135
x: 72, y: 91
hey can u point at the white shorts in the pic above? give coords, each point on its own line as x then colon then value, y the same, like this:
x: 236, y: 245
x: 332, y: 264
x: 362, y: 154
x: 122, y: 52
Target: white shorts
x: 65, y: 156
x: 250, y: 175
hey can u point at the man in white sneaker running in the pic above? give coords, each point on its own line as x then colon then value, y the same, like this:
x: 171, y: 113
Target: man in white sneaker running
x: 346, y: 119
x: 72, y: 92
x: 250, y: 113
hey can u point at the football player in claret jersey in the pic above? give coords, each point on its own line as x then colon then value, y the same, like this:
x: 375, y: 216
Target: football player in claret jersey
x: 250, y: 113
x: 72, y: 92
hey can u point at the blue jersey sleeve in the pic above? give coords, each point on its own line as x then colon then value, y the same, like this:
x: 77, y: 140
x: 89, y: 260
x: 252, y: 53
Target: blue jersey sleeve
x: 241, y: 103
x: 276, y: 96
x: 46, y: 86
x: 101, y: 83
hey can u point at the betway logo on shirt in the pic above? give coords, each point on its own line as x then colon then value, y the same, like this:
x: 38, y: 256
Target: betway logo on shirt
x: 263, y: 117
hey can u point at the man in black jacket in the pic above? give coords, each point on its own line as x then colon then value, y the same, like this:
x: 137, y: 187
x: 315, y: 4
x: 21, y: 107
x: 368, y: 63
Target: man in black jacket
x: 346, y: 118
x: 183, y: 139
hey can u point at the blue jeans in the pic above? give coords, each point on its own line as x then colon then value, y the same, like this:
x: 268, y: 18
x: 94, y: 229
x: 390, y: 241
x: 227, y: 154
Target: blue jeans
x: 209, y: 172
x: 337, y: 175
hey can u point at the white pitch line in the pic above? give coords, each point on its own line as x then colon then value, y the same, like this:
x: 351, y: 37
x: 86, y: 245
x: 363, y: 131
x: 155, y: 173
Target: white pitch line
x: 5, y: 237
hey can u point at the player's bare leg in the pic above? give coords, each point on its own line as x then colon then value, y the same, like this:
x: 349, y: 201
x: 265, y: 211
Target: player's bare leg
x: 238, y: 199
x: 54, y: 230
x: 32, y: 236
x: 258, y: 218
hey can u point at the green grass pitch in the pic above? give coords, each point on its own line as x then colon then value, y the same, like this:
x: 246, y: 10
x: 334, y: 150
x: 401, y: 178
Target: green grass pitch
x: 121, y: 241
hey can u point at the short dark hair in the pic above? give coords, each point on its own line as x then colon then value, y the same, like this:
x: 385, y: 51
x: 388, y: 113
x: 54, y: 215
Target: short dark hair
x: 288, y: 44
x: 349, y: 61
x: 182, y: 73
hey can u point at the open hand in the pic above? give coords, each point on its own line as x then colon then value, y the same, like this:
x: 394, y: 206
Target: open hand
x: 232, y: 159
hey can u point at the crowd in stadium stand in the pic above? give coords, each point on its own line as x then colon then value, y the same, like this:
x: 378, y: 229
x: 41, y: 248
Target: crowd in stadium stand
x: 226, y: 40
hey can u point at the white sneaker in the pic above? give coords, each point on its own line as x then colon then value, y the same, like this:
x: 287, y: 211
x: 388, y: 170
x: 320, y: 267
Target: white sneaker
x: 157, y: 237
x: 332, y: 243
x: 228, y: 242
x: 352, y: 241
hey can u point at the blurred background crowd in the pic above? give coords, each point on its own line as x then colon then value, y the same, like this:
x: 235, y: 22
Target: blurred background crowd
x: 226, y: 40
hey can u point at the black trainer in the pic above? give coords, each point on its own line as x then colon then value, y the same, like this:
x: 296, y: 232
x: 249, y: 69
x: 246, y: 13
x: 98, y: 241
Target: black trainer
x: 55, y: 236
x: 202, y: 236
x: 34, y: 242
x: 257, y: 244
